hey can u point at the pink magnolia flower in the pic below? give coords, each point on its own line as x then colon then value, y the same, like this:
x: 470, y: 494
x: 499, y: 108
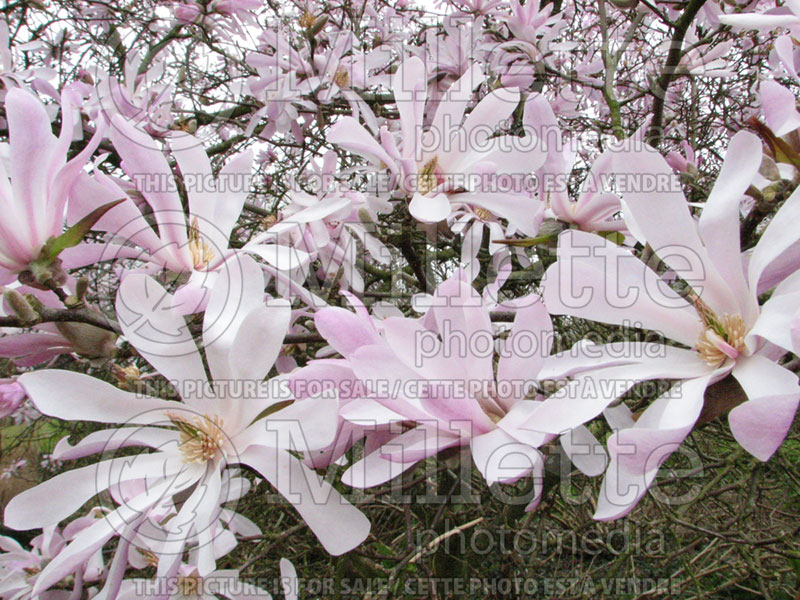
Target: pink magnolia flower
x: 216, y: 425
x: 11, y: 396
x: 188, y: 583
x: 700, y: 60
x: 440, y: 377
x: 140, y: 546
x: 594, y: 210
x: 529, y: 22
x: 230, y: 16
x: 346, y: 332
x: 454, y: 165
x: 722, y: 328
x: 452, y: 52
x: 20, y: 568
x: 194, y: 246
x: 473, y: 7
x: 34, y: 192
x: 328, y: 225
x: 141, y: 98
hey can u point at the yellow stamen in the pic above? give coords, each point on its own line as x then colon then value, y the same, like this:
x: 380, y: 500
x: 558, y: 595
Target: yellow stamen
x: 190, y: 586
x: 341, y: 78
x: 307, y: 20
x: 150, y: 558
x: 200, y: 437
x: 202, y: 254
x: 427, y: 180
x: 483, y: 213
x: 729, y: 330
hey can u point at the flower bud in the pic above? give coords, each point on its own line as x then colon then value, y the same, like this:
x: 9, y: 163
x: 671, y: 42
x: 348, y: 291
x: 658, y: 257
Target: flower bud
x: 21, y: 307
x: 87, y: 340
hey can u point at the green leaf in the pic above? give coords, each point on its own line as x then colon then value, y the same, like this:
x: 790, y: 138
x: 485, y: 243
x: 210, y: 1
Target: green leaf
x: 73, y: 236
x: 612, y: 236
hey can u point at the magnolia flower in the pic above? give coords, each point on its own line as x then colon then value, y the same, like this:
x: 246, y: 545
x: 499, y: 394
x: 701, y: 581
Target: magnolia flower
x: 141, y: 98
x: 700, y: 60
x: 594, y: 210
x: 440, y: 377
x: 21, y: 568
x: 215, y: 426
x: 346, y: 332
x: 455, y: 165
x: 34, y: 190
x: 11, y: 397
x: 327, y: 226
x: 193, y: 246
x: 719, y: 322
x: 528, y: 22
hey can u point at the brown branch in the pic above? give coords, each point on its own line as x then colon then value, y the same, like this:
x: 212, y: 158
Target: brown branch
x: 669, y: 72
x: 64, y: 315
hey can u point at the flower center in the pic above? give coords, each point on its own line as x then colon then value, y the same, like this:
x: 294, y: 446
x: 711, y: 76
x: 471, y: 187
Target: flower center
x: 722, y: 339
x: 307, y: 20
x: 202, y: 254
x: 427, y: 179
x: 483, y: 214
x: 341, y: 78
x: 189, y: 586
x: 200, y: 438
x: 149, y: 557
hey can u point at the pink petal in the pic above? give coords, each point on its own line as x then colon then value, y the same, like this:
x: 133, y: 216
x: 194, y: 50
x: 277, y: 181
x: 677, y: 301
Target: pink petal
x: 654, y: 202
x: 501, y: 458
x: 760, y: 425
x: 338, y: 525
x: 345, y: 331
x: 430, y: 208
x: 77, y: 397
x: 596, y: 279
x: 159, y: 334
x: 719, y: 223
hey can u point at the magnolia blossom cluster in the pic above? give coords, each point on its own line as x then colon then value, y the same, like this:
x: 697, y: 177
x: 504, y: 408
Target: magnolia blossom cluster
x: 243, y: 348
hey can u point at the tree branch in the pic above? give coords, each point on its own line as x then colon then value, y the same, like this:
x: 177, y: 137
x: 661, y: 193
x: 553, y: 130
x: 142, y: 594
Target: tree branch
x: 668, y: 73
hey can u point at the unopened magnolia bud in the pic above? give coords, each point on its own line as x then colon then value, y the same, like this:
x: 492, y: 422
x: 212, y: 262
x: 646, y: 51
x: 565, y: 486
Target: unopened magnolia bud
x: 80, y: 288
x: 21, y: 307
x: 44, y: 276
x: 551, y: 227
x: 85, y: 77
x: 364, y: 216
x: 318, y: 25
x: 87, y: 340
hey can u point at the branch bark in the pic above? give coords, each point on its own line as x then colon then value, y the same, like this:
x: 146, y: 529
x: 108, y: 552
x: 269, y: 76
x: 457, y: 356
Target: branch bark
x: 668, y: 73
